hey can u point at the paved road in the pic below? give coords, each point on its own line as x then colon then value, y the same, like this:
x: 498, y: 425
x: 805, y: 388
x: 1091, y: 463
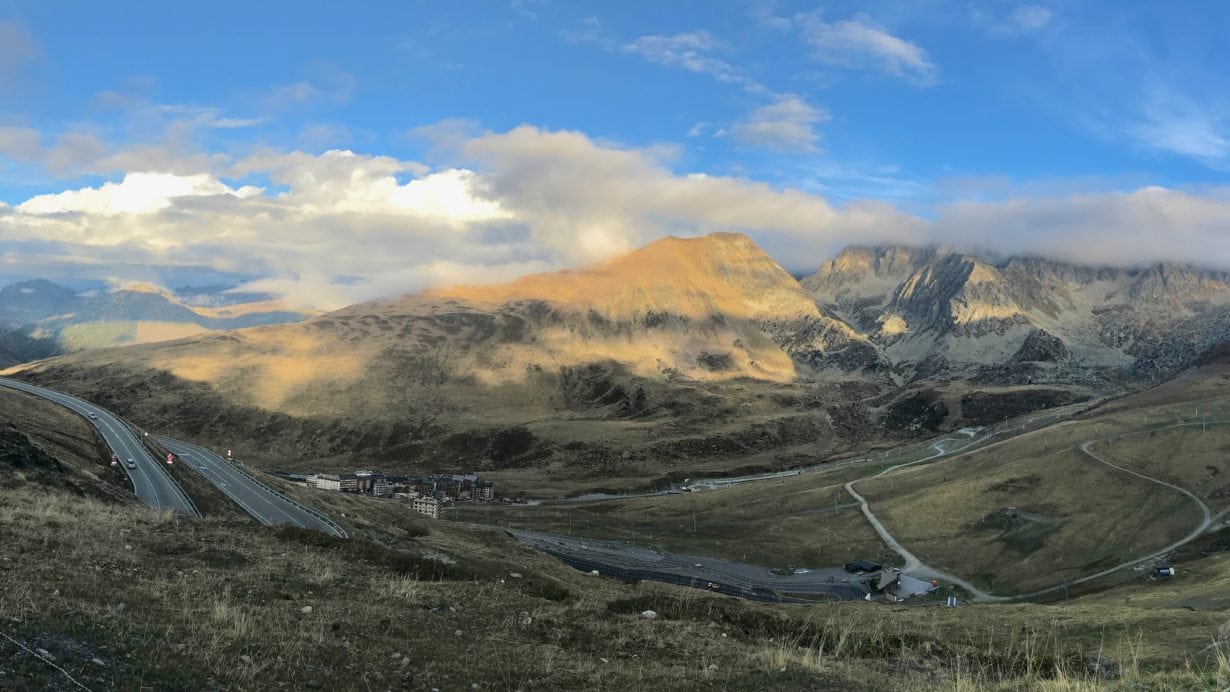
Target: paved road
x: 724, y: 576
x: 267, y: 506
x: 917, y: 567
x: 151, y: 482
x: 1207, y: 520
x: 913, y: 565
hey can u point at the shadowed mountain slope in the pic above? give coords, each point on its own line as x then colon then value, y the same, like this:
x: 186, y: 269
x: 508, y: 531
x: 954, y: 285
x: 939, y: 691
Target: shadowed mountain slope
x: 684, y: 352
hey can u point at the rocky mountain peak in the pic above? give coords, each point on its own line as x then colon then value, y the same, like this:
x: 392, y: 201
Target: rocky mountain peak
x: 1177, y: 285
x: 723, y: 274
x: 857, y: 263
x: 955, y: 291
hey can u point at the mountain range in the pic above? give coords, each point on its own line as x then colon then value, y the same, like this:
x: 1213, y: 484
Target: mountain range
x: 39, y: 318
x: 684, y: 351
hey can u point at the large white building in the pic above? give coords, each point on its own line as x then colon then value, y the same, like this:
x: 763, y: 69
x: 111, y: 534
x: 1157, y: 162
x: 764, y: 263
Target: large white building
x: 325, y: 481
x: 431, y: 505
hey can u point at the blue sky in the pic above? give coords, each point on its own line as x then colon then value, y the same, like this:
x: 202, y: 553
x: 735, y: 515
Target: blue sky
x: 1018, y: 126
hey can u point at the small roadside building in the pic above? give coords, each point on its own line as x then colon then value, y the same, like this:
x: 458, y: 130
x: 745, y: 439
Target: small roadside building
x: 894, y: 587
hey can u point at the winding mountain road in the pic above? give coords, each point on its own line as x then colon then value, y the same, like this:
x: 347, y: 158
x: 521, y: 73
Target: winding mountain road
x: 913, y: 566
x: 918, y: 568
x: 151, y: 482
x: 268, y: 506
x: 154, y: 486
x: 1207, y: 522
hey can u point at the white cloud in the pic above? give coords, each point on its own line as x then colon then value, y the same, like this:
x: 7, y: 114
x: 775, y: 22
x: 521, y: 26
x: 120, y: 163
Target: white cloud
x: 234, y: 123
x: 764, y: 13
x: 327, y: 85
x: 786, y: 125
x: 1023, y: 20
x: 860, y: 43
x: 342, y: 182
x: 589, y: 30
x: 690, y: 51
x: 527, y: 8
x: 694, y: 51
x: 168, y: 141
x: 1030, y: 17
x: 588, y: 200
x: 1143, y: 226
x: 1178, y: 125
x: 1196, y: 137
x: 527, y: 200
x: 137, y: 193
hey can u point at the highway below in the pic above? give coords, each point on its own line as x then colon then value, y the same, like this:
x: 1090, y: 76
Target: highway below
x: 720, y: 576
x: 151, y: 482
x: 268, y: 506
x: 154, y: 485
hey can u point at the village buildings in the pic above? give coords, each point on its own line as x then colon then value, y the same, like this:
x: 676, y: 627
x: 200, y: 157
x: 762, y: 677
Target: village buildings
x: 428, y: 494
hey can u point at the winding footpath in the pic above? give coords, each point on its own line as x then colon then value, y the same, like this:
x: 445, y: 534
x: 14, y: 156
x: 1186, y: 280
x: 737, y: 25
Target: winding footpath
x: 918, y: 568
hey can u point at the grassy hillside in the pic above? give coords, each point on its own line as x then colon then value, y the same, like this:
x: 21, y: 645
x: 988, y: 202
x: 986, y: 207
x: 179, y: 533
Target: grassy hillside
x: 135, y: 598
x: 45, y: 445
x: 122, y: 597
x: 1028, y: 513
x: 1025, y: 513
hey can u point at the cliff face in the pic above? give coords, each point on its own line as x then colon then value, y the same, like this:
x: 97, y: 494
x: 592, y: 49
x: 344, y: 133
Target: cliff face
x: 948, y: 312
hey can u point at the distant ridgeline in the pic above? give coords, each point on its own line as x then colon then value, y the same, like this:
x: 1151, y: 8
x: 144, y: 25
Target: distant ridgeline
x: 39, y: 319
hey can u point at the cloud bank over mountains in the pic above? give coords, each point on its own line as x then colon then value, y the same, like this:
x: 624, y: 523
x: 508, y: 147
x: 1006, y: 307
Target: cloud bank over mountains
x: 325, y: 230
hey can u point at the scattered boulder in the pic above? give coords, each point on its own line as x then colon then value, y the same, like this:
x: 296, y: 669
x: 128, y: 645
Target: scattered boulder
x: 1103, y: 668
x: 1041, y: 346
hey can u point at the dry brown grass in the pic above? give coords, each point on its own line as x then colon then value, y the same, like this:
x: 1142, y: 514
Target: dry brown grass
x: 171, y: 603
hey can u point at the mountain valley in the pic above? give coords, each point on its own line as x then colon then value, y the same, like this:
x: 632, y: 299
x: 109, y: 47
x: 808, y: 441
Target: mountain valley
x: 687, y: 356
